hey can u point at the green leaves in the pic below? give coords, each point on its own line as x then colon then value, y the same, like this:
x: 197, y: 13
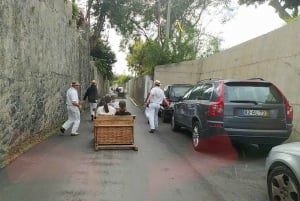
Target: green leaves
x: 104, y: 59
x: 286, y: 9
x: 143, y: 26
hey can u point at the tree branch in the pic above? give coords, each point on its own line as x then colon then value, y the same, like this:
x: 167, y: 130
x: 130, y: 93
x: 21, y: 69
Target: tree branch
x: 281, y: 11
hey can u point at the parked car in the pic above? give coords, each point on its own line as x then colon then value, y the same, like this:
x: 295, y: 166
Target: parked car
x: 283, y: 172
x: 173, y: 93
x: 252, y: 111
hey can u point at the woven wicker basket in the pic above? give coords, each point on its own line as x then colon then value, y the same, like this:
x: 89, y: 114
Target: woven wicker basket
x: 114, y: 130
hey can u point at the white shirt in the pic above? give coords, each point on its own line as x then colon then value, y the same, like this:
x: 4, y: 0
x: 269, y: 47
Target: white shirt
x: 114, y: 104
x: 72, y: 96
x: 101, y: 111
x: 158, y: 95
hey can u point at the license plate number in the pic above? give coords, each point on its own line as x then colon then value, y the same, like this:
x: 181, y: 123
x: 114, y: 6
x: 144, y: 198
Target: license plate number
x: 254, y: 113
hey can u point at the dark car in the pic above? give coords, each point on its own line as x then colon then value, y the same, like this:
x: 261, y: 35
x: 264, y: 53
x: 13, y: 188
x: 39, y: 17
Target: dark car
x: 250, y: 111
x: 173, y: 93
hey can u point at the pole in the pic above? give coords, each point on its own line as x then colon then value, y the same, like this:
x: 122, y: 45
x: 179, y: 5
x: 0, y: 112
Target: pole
x: 168, y: 20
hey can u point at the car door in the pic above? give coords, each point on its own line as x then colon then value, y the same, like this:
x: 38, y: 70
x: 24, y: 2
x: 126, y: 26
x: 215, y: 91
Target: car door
x: 190, y: 105
x: 179, y: 108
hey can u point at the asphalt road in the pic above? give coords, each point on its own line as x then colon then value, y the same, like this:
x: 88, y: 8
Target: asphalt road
x: 165, y: 168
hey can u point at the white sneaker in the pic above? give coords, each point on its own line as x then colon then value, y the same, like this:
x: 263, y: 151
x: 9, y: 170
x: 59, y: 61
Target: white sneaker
x: 74, y: 134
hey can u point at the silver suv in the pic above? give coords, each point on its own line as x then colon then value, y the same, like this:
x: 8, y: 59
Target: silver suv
x: 252, y: 111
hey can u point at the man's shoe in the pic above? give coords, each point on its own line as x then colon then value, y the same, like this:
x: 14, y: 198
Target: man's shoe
x: 62, y: 130
x: 151, y: 131
x: 74, y: 134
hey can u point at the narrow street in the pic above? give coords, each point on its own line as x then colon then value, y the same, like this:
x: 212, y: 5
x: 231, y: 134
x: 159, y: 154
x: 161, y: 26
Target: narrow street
x: 165, y: 168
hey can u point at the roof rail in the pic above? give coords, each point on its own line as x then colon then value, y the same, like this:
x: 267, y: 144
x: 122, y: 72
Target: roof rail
x: 256, y: 78
x: 209, y: 79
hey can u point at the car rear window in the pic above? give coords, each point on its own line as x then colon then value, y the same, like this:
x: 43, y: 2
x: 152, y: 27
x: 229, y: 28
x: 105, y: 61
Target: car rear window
x: 252, y: 91
x: 178, y: 91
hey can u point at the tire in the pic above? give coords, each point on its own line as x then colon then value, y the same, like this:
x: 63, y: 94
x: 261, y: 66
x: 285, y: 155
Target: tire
x: 265, y: 147
x: 283, y: 184
x: 174, y: 124
x: 196, y: 135
x: 165, y: 119
x: 159, y: 113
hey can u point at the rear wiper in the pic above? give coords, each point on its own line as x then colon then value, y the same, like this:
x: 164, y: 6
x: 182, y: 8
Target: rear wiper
x: 244, y: 101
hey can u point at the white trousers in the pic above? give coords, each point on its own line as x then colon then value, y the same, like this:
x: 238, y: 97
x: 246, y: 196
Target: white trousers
x: 92, y: 107
x: 73, y: 119
x: 153, y: 115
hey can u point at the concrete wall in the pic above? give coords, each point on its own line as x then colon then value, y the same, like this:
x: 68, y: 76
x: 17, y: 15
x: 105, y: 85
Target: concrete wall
x: 274, y: 56
x: 138, y: 88
x: 41, y: 52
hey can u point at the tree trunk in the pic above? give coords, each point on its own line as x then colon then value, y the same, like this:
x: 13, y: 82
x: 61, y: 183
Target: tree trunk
x: 282, y: 13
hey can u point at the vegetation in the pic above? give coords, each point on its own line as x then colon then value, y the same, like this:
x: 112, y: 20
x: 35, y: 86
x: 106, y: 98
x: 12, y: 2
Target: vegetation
x: 104, y: 58
x: 158, y: 32
x: 121, y: 79
x: 286, y: 9
x: 75, y: 11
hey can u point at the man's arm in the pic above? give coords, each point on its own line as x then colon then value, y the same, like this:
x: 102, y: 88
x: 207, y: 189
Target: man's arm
x: 149, y: 98
x: 166, y: 102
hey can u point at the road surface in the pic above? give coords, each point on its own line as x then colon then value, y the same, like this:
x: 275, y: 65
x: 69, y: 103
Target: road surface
x: 165, y: 168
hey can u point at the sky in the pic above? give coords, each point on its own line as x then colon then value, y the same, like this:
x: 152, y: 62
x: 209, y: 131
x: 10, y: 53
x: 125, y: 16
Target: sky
x: 249, y: 22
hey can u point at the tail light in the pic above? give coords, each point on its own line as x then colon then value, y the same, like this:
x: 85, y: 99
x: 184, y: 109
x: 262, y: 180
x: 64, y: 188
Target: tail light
x: 217, y: 108
x: 288, y: 109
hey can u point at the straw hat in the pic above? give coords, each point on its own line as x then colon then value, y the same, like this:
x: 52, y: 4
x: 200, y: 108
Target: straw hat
x: 75, y: 83
x: 157, y: 82
x: 93, y: 81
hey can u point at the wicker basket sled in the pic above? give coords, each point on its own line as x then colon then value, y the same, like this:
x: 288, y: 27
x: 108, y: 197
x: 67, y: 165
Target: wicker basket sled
x: 114, y: 132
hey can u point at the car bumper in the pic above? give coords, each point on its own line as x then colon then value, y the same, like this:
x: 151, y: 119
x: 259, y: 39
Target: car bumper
x: 251, y: 136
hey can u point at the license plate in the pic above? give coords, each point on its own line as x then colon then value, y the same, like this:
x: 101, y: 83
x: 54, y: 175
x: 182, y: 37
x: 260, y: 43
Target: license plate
x: 254, y: 113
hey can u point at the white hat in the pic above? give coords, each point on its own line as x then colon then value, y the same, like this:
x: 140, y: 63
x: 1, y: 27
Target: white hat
x: 157, y: 82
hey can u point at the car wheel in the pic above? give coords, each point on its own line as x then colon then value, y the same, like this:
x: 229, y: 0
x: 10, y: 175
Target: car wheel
x: 159, y: 113
x: 166, y: 118
x: 282, y: 184
x: 196, y: 135
x: 265, y: 147
x: 174, y: 124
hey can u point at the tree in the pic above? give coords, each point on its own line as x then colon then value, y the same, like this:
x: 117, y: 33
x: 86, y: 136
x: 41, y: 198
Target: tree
x: 148, y: 18
x: 286, y: 9
x: 121, y: 79
x: 104, y: 59
x: 143, y: 27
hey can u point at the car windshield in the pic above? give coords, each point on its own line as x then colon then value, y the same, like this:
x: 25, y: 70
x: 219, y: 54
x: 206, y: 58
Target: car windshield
x: 252, y: 92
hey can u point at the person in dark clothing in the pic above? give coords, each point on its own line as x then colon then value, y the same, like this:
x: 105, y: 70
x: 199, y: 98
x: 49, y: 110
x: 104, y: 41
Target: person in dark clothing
x: 122, y: 109
x: 92, y: 94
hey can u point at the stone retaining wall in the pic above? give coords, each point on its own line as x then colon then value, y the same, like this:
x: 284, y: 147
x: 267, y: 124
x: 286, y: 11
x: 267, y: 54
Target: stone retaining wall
x: 41, y: 52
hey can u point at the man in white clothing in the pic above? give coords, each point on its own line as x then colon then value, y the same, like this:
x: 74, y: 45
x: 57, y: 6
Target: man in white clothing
x: 73, y: 108
x: 156, y: 97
